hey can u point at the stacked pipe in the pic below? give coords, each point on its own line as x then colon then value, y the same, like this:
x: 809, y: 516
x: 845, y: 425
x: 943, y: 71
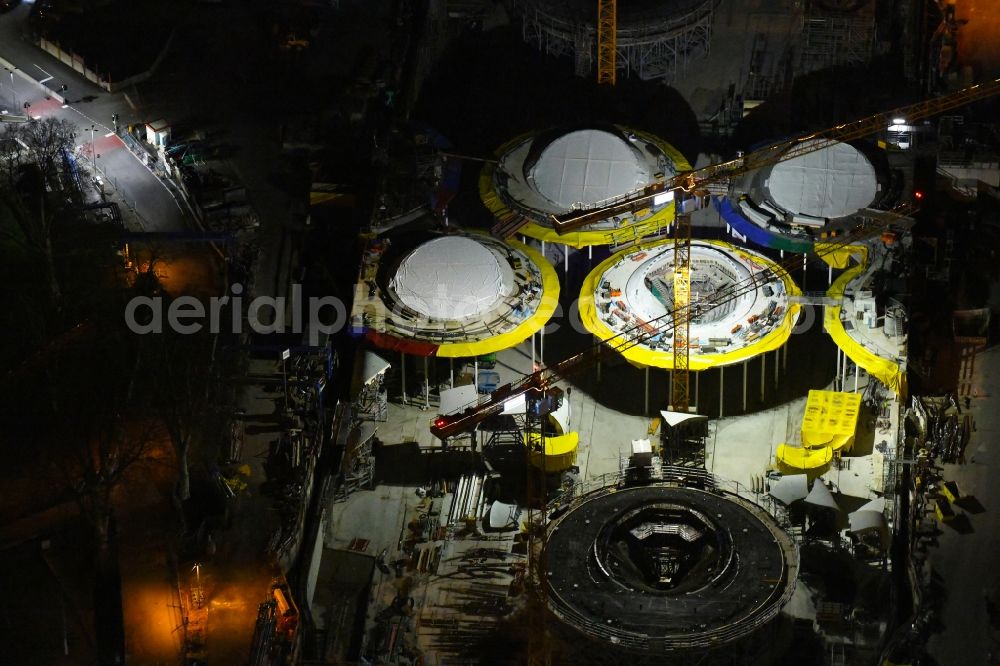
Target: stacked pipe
x: 469, y: 500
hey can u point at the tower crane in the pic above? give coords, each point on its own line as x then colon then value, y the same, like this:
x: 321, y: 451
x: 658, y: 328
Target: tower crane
x: 607, y: 41
x: 687, y: 183
x: 685, y: 189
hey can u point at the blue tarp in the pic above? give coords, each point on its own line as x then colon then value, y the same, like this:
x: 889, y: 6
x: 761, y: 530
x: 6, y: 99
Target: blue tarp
x: 745, y: 230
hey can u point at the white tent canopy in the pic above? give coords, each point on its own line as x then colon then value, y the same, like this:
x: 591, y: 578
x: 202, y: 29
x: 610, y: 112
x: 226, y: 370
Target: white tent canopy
x: 503, y: 515
x: 820, y: 495
x: 452, y: 277
x: 372, y: 366
x: 674, y: 419
x: 877, y: 504
x: 863, y: 521
x: 790, y: 488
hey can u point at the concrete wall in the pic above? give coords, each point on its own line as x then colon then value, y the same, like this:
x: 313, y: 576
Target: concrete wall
x: 78, y: 64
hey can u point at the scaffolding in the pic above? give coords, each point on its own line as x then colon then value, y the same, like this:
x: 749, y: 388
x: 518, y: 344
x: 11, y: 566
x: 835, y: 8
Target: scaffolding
x: 831, y: 39
x: 660, y: 46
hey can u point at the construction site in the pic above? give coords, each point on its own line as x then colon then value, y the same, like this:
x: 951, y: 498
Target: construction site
x: 620, y: 404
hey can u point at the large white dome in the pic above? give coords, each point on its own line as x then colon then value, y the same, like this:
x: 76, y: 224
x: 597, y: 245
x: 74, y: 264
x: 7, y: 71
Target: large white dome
x: 828, y: 183
x: 587, y: 166
x: 453, y: 277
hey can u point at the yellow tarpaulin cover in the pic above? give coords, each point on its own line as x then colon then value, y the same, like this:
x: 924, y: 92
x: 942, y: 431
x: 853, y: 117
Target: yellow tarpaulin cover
x: 830, y: 419
x: 643, y: 356
x: 797, y: 457
x: 886, y: 371
x: 624, y: 234
x: 560, y: 452
x: 837, y: 255
x: 527, y: 328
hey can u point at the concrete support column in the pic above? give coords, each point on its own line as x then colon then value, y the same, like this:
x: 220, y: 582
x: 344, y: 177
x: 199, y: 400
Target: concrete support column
x: 590, y: 254
x: 722, y: 384
x: 836, y: 375
x: 566, y: 263
x: 646, y: 411
x: 829, y: 275
x: 451, y: 372
x: 597, y: 341
x: 763, y: 367
x: 543, y: 248
x: 541, y: 346
x: 475, y: 367
x: 670, y: 389
x: 696, y: 375
x: 427, y: 386
x: 532, y: 352
x: 857, y: 373
x: 776, y: 364
x: 804, y: 262
x: 402, y: 373
x: 744, y: 386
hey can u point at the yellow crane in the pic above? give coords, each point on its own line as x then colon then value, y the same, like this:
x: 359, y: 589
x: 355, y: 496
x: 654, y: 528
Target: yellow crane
x: 685, y: 189
x: 607, y: 36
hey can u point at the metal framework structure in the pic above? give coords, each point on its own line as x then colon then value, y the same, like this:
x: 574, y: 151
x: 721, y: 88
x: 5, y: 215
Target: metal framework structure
x: 656, y: 47
x: 835, y: 38
x: 607, y: 32
x: 681, y: 315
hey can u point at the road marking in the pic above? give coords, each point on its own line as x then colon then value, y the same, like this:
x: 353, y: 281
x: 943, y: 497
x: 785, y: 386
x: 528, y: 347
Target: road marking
x: 109, y: 134
x: 65, y: 106
x: 50, y: 77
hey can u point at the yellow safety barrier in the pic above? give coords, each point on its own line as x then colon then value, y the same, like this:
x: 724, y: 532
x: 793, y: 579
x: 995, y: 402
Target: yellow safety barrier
x: 830, y: 419
x: 800, y: 458
x: 886, y: 371
x: 560, y: 452
x: 643, y: 356
x: 527, y: 328
x: 578, y: 239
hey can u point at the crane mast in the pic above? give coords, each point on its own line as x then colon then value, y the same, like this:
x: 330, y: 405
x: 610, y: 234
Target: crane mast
x: 607, y: 35
x: 681, y: 315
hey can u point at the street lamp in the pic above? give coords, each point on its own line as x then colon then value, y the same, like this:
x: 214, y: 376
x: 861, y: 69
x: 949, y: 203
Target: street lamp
x: 93, y: 158
x: 13, y: 91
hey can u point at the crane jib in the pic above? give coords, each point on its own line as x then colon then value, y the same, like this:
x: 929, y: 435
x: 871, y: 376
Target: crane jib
x: 768, y: 155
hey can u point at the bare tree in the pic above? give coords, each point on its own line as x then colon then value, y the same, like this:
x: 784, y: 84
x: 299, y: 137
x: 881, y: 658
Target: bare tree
x: 43, y: 143
x: 96, y: 433
x: 179, y: 369
x: 11, y: 152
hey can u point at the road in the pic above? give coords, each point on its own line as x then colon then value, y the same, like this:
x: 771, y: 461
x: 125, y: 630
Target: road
x: 36, y: 79
x: 966, y: 561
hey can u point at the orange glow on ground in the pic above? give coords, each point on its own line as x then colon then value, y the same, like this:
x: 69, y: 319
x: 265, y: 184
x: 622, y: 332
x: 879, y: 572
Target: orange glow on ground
x: 979, y: 39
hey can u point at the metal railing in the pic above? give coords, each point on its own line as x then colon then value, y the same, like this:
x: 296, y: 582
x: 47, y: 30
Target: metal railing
x: 766, y: 610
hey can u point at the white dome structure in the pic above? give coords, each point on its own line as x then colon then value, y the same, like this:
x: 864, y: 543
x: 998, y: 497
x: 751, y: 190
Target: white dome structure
x: 587, y: 166
x: 830, y: 183
x: 452, y: 278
